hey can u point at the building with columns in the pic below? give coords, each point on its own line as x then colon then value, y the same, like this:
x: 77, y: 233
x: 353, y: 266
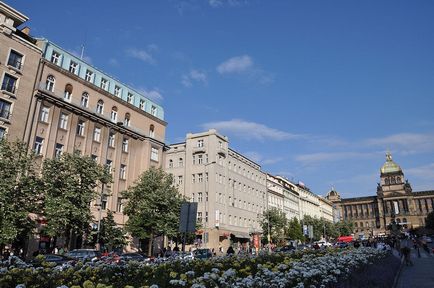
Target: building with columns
x: 395, y: 201
x: 230, y: 189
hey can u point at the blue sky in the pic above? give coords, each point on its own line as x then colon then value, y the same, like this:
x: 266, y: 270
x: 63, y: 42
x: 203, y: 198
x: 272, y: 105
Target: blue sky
x: 316, y: 91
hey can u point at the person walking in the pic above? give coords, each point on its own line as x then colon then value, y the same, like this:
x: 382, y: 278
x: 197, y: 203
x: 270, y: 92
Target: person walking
x: 406, y: 245
x: 230, y: 251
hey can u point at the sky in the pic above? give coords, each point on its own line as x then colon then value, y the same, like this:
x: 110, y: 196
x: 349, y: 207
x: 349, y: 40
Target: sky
x: 315, y: 91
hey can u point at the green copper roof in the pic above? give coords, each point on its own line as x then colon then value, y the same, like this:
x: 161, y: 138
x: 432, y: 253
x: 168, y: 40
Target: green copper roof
x: 390, y: 166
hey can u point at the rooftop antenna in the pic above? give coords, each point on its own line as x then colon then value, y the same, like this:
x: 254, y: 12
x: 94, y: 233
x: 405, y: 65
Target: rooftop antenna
x: 82, y: 45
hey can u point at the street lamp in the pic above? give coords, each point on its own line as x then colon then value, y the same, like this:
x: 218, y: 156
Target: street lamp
x: 101, y: 198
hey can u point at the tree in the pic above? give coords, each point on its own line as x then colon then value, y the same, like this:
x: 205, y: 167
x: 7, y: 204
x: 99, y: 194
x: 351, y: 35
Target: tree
x: 70, y: 186
x: 19, y: 196
x: 111, y: 236
x: 344, y: 228
x: 294, y: 230
x: 153, y: 206
x: 273, y: 221
x: 429, y: 222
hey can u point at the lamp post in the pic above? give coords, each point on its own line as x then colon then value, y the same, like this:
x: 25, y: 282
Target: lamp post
x: 103, y: 184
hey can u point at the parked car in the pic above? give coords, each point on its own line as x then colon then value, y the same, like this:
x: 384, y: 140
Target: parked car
x: 324, y: 243
x: 84, y: 254
x: 341, y: 244
x: 133, y: 257
x: 286, y: 248
x: 54, y: 258
x: 203, y: 253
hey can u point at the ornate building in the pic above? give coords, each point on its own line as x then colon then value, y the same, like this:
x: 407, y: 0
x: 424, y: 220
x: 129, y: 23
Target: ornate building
x: 395, y: 200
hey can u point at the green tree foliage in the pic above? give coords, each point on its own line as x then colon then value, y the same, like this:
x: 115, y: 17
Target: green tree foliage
x: 153, y: 206
x: 274, y: 221
x: 344, y: 228
x: 70, y: 185
x: 321, y: 228
x: 294, y: 230
x: 111, y: 236
x: 429, y: 222
x: 19, y: 186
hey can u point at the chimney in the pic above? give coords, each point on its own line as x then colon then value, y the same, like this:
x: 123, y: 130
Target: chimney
x: 26, y: 30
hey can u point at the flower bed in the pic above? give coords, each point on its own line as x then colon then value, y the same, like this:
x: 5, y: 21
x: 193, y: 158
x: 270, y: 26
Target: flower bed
x: 300, y: 269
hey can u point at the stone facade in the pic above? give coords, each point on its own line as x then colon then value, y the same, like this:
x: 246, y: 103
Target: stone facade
x: 229, y: 188
x: 395, y: 201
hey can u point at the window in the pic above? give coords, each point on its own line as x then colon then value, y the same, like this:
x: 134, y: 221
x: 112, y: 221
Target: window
x: 119, y: 205
x: 181, y: 162
x: 154, y: 154
x: 200, y: 159
x: 151, y: 131
x: 109, y: 165
x: 127, y: 122
x: 200, y: 177
x: 89, y: 76
x: 9, y: 83
x: 63, y: 122
x: 104, y: 84
x: 153, y: 110
x: 123, y: 172
x: 142, y: 104
x: 5, y: 109
x: 55, y: 58
x: 111, y: 141
x: 73, y: 67
x: 125, y: 145
x: 15, y: 59
x: 49, y: 84
x: 100, y: 107
x: 2, y: 132
x: 170, y: 163
x: 84, y: 100
x: 80, y: 127
x: 206, y: 177
x: 199, y: 197
x: 114, y: 114
x: 68, y: 92
x: 94, y: 157
x: 39, y: 141
x: 58, y: 151
x: 180, y: 180
x: 193, y: 178
x: 130, y: 98
x: 199, y: 143
x: 199, y: 217
x: 104, y: 202
x: 97, y: 134
x: 117, y: 91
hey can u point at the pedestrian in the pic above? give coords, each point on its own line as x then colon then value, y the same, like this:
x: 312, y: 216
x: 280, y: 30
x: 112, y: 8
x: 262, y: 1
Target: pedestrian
x: 405, y: 245
x: 230, y: 251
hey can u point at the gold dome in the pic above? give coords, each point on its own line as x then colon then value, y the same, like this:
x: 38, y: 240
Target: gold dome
x: 390, y: 166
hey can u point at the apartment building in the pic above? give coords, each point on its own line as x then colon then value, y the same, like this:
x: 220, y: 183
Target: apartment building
x: 78, y: 107
x: 229, y: 188
x: 19, y: 60
x: 282, y: 195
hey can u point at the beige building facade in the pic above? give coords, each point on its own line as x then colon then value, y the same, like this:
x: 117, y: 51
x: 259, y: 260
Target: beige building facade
x: 395, y: 201
x: 19, y: 60
x: 229, y: 188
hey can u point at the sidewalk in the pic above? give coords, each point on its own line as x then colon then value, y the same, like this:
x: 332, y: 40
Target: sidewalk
x: 420, y: 274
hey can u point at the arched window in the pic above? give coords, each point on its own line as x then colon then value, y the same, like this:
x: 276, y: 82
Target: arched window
x: 181, y: 162
x: 171, y: 164
x: 100, y: 107
x: 114, y: 114
x: 398, y: 180
x: 387, y: 181
x: 151, y: 131
x: 84, y: 100
x: 392, y: 180
x: 398, y: 220
x: 68, y: 92
x: 127, y: 120
x: 50, y: 83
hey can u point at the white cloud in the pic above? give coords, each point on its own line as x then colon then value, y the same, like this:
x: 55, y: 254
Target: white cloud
x: 424, y: 175
x: 405, y: 143
x: 215, y: 3
x: 113, y: 62
x: 194, y: 76
x: 238, y: 64
x: 220, y: 3
x: 143, y: 55
x: 249, y: 130
x: 317, y: 158
x: 153, y: 95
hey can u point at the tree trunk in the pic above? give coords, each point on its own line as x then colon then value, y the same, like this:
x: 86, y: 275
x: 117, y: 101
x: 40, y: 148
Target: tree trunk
x: 150, y: 245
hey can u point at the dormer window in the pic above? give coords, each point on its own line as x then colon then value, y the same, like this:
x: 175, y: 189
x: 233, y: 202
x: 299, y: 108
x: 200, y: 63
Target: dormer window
x: 55, y: 58
x: 104, y: 84
x: 73, y: 67
x: 89, y: 76
x: 153, y: 110
x: 117, y: 91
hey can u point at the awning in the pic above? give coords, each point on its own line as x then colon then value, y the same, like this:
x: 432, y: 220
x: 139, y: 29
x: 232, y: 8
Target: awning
x: 241, y: 235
